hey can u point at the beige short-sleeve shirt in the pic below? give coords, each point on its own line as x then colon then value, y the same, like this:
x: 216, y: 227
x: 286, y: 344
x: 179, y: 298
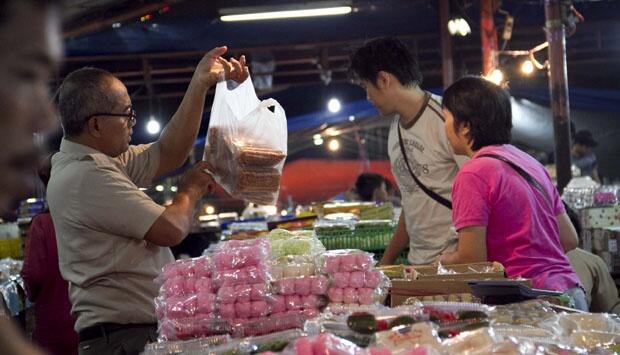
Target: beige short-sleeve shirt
x: 101, y: 216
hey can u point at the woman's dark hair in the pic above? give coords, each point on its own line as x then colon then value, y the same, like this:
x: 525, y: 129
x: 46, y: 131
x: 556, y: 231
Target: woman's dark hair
x: 388, y: 54
x: 483, y: 107
x: 366, y: 185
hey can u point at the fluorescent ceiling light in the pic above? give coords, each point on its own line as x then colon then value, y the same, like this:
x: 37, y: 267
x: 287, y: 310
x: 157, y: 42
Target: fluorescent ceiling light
x: 324, y: 11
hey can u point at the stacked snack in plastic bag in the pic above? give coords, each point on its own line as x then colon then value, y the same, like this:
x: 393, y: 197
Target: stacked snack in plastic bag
x: 242, y: 276
x: 352, y: 277
x: 246, y: 143
x: 296, y: 285
x: 288, y: 243
x: 187, y: 303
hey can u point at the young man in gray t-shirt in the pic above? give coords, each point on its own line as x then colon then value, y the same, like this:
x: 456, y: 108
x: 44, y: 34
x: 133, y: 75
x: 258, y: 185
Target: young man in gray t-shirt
x: 389, y: 73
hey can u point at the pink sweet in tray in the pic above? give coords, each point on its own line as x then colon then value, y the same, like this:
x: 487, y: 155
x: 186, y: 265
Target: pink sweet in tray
x: 243, y: 293
x: 365, y: 295
x: 259, y: 292
x: 205, y: 303
x: 227, y: 294
x: 189, y: 285
x: 311, y: 301
x: 372, y: 279
x: 332, y: 264
x: 203, y: 266
x: 341, y: 279
x: 304, y: 346
x: 319, y: 285
x: 302, y: 286
x: 335, y: 294
x: 363, y: 261
x: 259, y: 309
x: 349, y: 295
x: 358, y: 279
x: 286, y: 286
x: 243, y: 309
x: 348, y: 262
x: 180, y: 306
x: 185, y: 267
x: 203, y: 284
x: 256, y: 274
x: 278, y: 304
x: 174, y: 286
x: 227, y: 311
x: 293, y: 302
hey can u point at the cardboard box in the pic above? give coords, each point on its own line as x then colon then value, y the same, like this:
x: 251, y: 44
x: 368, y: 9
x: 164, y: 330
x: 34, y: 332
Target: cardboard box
x: 600, y: 217
x: 606, y: 240
x: 403, y: 289
x: 484, y: 270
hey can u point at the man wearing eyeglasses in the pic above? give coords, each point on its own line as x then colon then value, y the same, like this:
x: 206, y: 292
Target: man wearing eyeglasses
x: 112, y: 238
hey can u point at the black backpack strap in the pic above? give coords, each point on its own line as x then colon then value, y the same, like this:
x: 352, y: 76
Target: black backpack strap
x: 432, y: 194
x: 533, y: 182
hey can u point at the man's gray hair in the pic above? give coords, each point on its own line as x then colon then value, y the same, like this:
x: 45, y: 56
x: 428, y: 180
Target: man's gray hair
x: 84, y: 92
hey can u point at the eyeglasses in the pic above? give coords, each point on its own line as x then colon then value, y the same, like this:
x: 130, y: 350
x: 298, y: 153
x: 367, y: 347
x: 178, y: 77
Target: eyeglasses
x: 131, y: 116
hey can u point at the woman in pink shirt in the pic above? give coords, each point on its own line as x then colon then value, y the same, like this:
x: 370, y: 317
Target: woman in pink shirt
x: 505, y: 206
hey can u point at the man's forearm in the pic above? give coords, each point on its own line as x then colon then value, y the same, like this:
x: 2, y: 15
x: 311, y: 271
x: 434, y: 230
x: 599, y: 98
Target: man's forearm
x: 400, y: 240
x: 180, y: 133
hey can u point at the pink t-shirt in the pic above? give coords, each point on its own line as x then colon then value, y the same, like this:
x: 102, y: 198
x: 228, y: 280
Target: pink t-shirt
x: 522, y: 230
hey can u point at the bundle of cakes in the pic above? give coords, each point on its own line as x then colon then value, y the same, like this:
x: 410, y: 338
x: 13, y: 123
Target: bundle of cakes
x: 187, y: 302
x: 214, y: 293
x: 286, y: 243
x: 246, y: 169
x: 352, y: 277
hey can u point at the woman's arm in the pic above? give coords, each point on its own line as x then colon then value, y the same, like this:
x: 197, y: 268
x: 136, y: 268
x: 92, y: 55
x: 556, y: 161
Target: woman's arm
x: 472, y: 247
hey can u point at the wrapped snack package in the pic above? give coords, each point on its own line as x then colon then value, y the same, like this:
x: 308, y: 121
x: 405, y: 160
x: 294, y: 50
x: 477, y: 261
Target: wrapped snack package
x: 400, y: 340
x: 246, y: 143
x: 322, y: 344
x: 335, y: 294
x: 319, y: 285
x: 295, y: 245
x: 358, y: 279
x: 272, y: 323
x: 278, y: 304
x: 345, y: 260
x: 479, y: 341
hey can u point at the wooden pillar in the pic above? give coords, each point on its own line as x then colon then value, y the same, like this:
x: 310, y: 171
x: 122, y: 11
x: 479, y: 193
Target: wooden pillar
x: 558, y: 90
x: 488, y: 37
x: 446, y: 44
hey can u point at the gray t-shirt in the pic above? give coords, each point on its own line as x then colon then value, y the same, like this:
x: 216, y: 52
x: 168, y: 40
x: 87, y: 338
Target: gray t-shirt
x: 100, y: 217
x: 429, y: 224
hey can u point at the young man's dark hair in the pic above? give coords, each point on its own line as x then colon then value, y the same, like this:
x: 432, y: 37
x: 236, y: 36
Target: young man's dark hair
x: 366, y: 185
x: 585, y: 138
x: 483, y: 107
x: 386, y: 54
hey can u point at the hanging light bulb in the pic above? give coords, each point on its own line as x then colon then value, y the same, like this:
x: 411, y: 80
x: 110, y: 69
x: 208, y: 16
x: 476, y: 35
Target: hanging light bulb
x: 458, y: 26
x: 152, y: 126
x: 333, y: 105
x: 527, y: 67
x: 496, y: 76
x: 334, y: 145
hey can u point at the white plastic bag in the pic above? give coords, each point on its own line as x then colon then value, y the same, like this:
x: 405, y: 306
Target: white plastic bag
x: 246, y: 143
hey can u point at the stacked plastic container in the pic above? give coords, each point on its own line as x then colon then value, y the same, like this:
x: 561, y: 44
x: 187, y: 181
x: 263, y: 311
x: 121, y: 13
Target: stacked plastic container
x: 352, y: 279
x: 296, y: 285
x: 187, y: 302
x: 228, y: 290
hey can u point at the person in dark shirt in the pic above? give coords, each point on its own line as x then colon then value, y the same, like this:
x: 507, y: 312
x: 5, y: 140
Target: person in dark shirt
x: 583, y: 156
x: 45, y: 286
